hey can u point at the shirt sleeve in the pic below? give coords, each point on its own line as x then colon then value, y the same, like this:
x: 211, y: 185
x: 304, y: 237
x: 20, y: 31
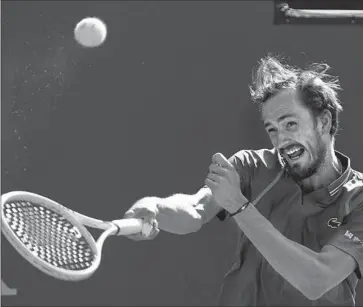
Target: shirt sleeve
x: 349, y: 238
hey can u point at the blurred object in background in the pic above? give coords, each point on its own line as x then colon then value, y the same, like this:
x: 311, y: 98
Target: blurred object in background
x: 323, y: 12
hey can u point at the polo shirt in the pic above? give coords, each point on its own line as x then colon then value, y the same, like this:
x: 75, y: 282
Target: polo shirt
x: 331, y: 215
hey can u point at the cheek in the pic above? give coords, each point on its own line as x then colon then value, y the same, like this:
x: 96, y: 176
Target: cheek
x: 273, y: 139
x: 306, y: 135
x: 313, y: 145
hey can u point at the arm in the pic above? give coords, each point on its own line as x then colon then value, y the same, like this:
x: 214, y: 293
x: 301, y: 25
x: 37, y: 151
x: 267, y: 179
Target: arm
x: 313, y: 274
x: 183, y: 214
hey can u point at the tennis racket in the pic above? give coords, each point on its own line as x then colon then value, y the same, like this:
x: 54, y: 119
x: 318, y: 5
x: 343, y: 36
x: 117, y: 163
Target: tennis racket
x: 54, y: 239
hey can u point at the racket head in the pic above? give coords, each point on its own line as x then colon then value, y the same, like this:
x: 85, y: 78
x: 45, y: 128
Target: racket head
x: 47, y: 235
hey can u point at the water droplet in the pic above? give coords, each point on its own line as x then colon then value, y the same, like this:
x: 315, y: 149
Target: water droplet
x: 25, y: 169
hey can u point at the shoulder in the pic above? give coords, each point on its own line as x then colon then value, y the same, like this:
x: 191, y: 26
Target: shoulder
x: 353, y: 193
x: 355, y: 182
x: 261, y: 165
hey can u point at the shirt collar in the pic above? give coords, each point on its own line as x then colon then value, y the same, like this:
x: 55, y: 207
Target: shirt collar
x: 336, y: 185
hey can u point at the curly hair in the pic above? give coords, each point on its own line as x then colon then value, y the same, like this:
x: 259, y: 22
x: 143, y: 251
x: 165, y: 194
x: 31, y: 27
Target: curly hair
x: 317, y: 89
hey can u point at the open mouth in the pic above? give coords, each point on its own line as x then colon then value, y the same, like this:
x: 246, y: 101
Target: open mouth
x: 294, y: 152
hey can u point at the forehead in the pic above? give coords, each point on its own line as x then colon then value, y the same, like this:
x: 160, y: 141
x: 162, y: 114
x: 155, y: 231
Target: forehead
x: 283, y: 103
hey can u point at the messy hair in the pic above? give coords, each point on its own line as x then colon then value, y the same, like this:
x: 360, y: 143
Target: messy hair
x: 317, y: 89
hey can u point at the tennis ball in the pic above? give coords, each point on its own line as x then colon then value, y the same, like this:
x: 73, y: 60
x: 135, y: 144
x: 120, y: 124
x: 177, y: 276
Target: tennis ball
x: 90, y: 32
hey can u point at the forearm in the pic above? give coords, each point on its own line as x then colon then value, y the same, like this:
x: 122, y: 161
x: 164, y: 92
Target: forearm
x: 297, y: 264
x: 176, y: 214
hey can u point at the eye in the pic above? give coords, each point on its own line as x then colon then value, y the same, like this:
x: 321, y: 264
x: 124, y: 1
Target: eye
x: 291, y: 124
x: 271, y: 130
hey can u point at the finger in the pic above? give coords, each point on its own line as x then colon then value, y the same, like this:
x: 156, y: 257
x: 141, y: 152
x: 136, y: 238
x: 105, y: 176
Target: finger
x: 146, y: 233
x: 153, y: 234
x: 141, y: 212
x: 154, y: 231
x: 220, y: 159
x: 210, y: 184
x: 149, y: 227
x: 214, y: 177
x: 217, y: 169
x: 155, y: 224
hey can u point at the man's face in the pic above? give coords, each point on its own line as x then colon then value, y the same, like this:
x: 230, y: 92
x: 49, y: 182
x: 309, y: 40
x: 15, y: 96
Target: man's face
x: 295, y: 133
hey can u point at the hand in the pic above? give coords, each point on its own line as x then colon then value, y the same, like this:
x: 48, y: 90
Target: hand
x: 146, y: 209
x: 224, y: 182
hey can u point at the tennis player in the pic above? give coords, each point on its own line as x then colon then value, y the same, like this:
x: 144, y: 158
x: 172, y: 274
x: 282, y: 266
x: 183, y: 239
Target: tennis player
x: 298, y: 206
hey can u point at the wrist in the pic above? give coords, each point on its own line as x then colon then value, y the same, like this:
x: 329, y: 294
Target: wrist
x: 152, y: 204
x: 240, y: 209
x: 235, y: 204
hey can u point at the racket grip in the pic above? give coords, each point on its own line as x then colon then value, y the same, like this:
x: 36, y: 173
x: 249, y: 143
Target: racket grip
x: 132, y: 226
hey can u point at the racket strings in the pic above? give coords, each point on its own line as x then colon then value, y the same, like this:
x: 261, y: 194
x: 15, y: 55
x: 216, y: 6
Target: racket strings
x: 48, y: 235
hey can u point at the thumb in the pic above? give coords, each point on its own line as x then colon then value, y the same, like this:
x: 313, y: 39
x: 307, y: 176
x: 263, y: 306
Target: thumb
x: 220, y: 159
x: 129, y: 214
x: 140, y: 212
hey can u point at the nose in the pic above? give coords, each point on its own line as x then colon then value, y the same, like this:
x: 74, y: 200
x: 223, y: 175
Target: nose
x: 282, y: 140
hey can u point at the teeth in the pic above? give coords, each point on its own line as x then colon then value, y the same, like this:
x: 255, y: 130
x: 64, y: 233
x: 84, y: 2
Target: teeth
x: 292, y: 151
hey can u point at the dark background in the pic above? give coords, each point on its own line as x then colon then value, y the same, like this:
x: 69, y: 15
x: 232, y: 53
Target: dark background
x: 97, y: 129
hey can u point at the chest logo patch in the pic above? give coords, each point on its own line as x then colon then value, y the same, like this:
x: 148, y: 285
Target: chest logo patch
x: 333, y: 223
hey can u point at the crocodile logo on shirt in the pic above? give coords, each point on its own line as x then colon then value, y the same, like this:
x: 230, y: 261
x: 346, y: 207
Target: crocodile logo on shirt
x: 334, y: 223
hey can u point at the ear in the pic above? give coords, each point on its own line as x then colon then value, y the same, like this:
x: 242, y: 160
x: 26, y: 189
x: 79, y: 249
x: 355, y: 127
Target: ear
x: 326, y: 121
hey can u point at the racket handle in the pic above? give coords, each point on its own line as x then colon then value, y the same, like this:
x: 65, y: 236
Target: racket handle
x: 132, y: 226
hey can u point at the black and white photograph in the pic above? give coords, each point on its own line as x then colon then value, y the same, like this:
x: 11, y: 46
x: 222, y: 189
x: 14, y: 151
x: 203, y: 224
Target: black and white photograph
x: 181, y: 153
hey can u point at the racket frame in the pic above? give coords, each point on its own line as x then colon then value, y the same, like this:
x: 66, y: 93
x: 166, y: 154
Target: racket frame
x: 77, y: 219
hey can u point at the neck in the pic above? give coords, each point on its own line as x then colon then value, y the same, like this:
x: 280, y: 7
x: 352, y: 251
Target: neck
x: 326, y: 174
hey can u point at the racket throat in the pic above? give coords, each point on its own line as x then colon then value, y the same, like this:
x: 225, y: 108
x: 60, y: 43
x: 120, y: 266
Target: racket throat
x: 118, y: 229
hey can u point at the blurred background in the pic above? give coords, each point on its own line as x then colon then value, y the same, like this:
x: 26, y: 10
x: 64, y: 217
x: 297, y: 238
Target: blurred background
x: 97, y: 129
